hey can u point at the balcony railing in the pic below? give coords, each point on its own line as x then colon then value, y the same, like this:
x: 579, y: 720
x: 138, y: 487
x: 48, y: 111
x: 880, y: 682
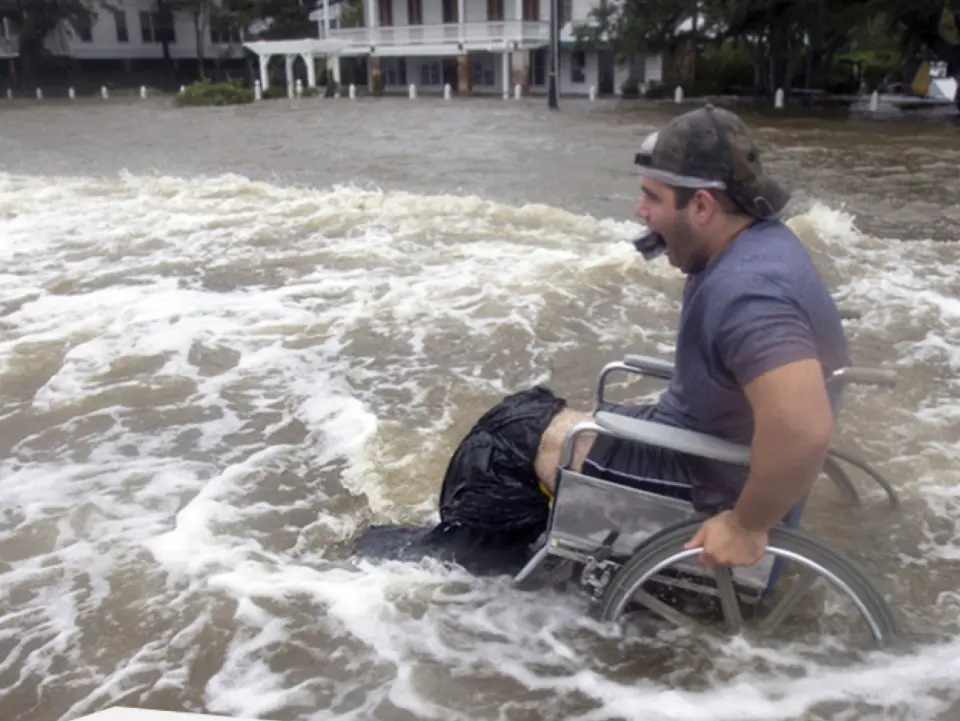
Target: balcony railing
x: 9, y: 47
x: 472, y: 33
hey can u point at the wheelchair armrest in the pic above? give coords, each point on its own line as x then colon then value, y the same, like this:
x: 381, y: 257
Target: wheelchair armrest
x: 663, y: 369
x: 650, y: 366
x: 675, y: 439
x: 863, y: 376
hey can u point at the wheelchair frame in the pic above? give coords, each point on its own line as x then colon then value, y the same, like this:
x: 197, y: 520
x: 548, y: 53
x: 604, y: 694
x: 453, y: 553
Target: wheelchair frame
x: 663, y: 370
x: 622, y: 537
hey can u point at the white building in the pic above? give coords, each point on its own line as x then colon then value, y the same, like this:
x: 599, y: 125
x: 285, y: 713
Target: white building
x: 477, y: 46
x: 135, y: 30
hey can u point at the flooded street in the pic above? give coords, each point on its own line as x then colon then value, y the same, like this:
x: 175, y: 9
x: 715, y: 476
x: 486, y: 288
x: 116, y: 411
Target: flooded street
x: 230, y: 338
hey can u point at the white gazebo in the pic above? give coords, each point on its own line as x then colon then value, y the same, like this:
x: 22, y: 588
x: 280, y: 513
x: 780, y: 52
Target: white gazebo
x: 306, y: 48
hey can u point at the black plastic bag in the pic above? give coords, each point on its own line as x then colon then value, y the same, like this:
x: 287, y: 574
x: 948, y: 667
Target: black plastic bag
x: 491, y: 506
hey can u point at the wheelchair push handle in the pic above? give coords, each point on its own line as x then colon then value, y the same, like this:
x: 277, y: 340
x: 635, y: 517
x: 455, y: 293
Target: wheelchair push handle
x: 649, y: 365
x: 864, y: 376
x: 860, y: 375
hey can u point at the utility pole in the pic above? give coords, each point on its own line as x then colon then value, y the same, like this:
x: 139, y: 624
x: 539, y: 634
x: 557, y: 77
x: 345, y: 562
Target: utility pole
x: 553, y: 57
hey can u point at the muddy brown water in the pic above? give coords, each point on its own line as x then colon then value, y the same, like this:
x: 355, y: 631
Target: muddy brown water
x: 232, y: 337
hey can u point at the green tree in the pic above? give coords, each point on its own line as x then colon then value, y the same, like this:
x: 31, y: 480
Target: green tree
x: 35, y: 20
x: 788, y: 41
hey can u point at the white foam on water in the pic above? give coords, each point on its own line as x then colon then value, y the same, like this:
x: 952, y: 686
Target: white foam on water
x: 210, y: 385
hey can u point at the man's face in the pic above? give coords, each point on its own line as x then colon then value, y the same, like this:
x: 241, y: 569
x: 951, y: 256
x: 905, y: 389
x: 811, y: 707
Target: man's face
x: 658, y: 210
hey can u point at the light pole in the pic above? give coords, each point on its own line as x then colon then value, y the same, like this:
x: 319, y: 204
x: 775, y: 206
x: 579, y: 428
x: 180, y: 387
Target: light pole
x: 554, y: 55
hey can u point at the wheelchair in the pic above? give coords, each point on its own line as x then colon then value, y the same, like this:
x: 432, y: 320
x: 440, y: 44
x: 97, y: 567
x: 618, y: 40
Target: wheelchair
x: 621, y: 544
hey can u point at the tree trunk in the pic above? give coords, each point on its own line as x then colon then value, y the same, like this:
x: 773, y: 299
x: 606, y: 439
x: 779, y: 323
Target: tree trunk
x: 761, y: 64
x: 31, y: 50
x: 27, y: 67
x: 758, y: 54
x: 164, y: 41
x: 794, y: 51
x: 198, y: 28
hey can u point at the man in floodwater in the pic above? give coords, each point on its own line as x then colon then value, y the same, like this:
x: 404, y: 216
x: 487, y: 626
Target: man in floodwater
x: 758, y: 333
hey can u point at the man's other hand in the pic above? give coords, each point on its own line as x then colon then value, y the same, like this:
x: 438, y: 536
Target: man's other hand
x: 726, y: 543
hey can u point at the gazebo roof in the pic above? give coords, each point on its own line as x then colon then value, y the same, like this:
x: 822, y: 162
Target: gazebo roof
x: 300, y: 46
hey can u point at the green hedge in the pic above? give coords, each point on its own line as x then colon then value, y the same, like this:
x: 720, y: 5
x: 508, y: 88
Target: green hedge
x: 203, y: 92
x: 279, y: 92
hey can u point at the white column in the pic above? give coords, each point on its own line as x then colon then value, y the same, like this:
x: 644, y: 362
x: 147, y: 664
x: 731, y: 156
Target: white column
x: 521, y: 58
x: 371, y: 20
x: 461, y: 17
x: 505, y: 72
x: 289, y: 72
x: 264, y: 75
x: 311, y: 69
x: 336, y: 67
x: 371, y: 14
x: 326, y: 18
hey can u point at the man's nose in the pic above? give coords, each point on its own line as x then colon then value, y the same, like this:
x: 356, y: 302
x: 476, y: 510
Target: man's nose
x: 641, y: 209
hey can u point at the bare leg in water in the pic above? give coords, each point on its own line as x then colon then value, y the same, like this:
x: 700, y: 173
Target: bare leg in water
x: 551, y: 445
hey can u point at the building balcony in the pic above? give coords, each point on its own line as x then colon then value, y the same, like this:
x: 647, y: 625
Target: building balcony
x: 493, y: 35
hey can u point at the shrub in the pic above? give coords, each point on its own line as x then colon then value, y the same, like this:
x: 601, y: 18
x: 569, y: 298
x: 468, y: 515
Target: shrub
x: 630, y: 88
x: 274, y: 92
x: 657, y: 91
x: 280, y: 92
x: 330, y: 90
x: 203, y: 92
x: 724, y: 69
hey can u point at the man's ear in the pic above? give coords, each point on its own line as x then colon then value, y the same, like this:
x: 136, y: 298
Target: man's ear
x: 703, y: 206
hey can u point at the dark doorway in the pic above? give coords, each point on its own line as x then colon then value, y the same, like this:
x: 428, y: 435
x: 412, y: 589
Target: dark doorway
x: 450, y: 75
x: 605, y: 71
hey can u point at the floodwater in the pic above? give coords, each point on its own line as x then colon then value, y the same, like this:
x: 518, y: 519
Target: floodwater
x: 231, y: 338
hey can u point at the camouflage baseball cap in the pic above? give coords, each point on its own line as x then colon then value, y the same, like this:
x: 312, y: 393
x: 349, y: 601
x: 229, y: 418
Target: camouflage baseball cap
x: 712, y: 148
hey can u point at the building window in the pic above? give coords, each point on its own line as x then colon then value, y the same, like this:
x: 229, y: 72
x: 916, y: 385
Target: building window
x: 223, y: 32
x: 531, y: 9
x: 385, y: 13
x: 578, y: 67
x: 414, y: 12
x: 450, y: 12
x: 430, y: 72
x: 566, y: 12
x: 394, y: 71
x: 157, y: 27
x: 537, y: 70
x: 481, y: 69
x: 494, y: 10
x: 83, y: 26
x: 120, y: 20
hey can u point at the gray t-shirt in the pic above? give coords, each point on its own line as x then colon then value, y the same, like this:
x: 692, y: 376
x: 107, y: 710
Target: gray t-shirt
x: 760, y: 305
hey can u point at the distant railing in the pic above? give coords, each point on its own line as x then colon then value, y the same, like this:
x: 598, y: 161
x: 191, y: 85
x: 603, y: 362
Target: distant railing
x: 533, y: 30
x: 357, y: 36
x: 474, y: 33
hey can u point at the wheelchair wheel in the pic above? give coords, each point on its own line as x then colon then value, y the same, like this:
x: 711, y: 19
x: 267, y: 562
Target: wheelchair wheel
x: 814, y: 559
x: 842, y: 479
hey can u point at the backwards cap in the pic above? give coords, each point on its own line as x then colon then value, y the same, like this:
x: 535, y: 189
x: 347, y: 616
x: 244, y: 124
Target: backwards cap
x: 712, y: 148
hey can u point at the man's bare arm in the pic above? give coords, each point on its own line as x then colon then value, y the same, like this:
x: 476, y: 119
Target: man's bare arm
x: 793, y: 422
